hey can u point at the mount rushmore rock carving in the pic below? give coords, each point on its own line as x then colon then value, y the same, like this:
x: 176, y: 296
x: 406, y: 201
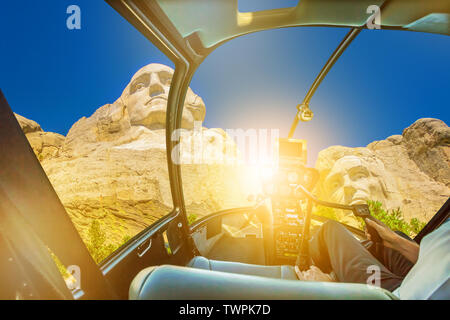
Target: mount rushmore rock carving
x: 112, y: 165
x: 409, y: 171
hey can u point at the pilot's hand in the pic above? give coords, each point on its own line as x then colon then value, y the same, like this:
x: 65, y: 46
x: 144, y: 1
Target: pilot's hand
x: 408, y: 248
x: 314, y: 274
x: 389, y: 237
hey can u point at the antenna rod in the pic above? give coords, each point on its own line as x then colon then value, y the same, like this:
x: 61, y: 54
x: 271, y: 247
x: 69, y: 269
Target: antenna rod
x: 349, y: 37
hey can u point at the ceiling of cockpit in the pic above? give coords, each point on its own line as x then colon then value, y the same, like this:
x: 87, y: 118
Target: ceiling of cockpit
x: 216, y: 21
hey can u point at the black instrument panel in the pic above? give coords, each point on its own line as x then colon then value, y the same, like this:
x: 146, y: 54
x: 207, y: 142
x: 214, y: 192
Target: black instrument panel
x: 288, y: 205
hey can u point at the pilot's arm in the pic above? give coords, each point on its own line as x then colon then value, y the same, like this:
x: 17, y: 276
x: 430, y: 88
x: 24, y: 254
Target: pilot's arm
x: 409, y: 249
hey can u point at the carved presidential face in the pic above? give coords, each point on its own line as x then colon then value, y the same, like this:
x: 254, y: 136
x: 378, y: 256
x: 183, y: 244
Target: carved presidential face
x: 147, y: 94
x: 353, y: 180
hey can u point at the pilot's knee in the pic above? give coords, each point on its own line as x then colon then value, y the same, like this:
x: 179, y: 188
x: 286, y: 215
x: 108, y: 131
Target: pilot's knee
x: 332, y: 226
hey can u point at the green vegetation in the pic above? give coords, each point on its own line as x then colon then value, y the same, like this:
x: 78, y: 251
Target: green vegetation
x: 394, y: 219
x: 96, y: 243
x: 416, y: 225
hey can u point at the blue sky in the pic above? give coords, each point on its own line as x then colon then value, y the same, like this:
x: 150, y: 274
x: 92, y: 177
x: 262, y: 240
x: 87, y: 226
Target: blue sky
x: 383, y: 82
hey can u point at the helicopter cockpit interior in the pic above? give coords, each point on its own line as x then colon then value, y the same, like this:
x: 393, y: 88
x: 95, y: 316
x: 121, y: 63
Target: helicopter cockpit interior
x: 252, y: 252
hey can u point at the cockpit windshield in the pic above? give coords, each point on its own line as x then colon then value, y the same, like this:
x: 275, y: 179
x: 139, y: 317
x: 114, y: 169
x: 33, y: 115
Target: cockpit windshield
x: 96, y: 120
x: 367, y: 135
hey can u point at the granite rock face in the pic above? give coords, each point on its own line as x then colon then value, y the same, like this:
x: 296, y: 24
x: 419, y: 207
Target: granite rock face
x: 427, y: 142
x: 409, y: 171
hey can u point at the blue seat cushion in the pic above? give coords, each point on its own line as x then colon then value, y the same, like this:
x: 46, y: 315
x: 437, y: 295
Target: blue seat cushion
x: 277, y: 272
x: 173, y: 282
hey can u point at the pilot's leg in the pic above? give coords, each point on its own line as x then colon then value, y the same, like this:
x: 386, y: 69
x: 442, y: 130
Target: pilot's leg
x: 395, y: 261
x: 334, y: 248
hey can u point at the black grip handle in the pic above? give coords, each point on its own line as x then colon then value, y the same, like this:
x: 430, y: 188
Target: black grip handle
x: 362, y: 211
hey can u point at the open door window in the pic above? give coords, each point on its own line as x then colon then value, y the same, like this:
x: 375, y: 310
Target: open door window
x: 99, y: 198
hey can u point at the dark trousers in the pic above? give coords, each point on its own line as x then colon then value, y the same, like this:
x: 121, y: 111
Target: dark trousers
x: 334, y: 248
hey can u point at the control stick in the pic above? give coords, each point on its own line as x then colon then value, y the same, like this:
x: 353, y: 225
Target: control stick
x: 359, y: 210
